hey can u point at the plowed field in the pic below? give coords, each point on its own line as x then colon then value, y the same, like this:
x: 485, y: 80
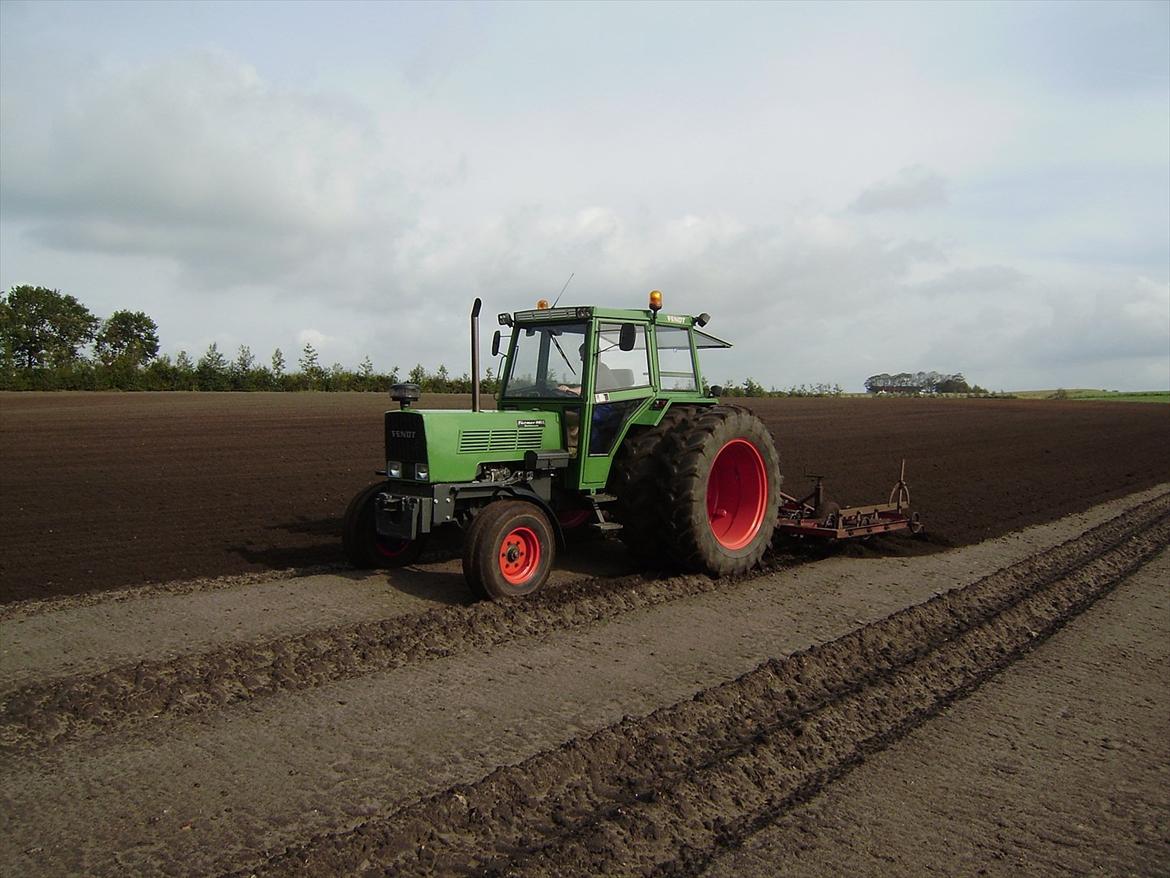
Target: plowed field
x: 991, y: 701
x: 106, y: 490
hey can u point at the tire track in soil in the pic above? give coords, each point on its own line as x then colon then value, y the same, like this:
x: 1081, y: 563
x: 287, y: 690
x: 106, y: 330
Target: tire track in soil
x: 663, y: 793
x: 44, y: 713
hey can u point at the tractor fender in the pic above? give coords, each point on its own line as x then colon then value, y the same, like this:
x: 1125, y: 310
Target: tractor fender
x: 527, y: 494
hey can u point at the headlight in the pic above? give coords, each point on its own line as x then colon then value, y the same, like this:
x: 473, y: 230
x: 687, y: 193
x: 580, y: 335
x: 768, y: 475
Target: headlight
x: 422, y: 472
x: 394, y: 469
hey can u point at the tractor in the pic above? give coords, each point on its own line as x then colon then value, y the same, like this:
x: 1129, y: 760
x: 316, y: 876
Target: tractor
x: 602, y: 421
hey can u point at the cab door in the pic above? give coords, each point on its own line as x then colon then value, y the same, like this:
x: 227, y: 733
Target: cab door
x: 618, y: 388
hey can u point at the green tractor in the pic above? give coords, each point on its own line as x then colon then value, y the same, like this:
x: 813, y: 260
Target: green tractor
x: 602, y: 421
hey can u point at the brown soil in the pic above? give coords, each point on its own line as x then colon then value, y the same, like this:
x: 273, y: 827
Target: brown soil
x: 665, y: 793
x: 1000, y: 707
x: 1001, y: 783
x: 613, y: 725
x: 108, y: 490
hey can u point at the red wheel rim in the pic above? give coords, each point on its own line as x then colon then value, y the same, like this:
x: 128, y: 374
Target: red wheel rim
x: 737, y: 494
x: 390, y: 548
x: 519, y: 555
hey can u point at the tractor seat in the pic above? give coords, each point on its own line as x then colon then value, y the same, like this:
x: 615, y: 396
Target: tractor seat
x: 616, y: 379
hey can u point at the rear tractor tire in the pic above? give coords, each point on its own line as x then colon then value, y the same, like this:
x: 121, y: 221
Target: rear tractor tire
x: 638, y: 484
x: 509, y: 551
x: 364, y: 547
x: 722, y: 476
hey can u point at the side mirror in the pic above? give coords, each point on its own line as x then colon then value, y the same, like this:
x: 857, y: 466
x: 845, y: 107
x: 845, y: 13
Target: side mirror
x: 715, y: 390
x: 628, y: 337
x: 496, y: 344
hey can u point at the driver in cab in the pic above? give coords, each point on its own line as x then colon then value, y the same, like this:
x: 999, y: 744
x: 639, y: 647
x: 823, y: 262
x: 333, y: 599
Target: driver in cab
x: 605, y: 376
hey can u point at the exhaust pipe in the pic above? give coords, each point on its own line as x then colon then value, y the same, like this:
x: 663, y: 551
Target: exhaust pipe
x: 475, y: 355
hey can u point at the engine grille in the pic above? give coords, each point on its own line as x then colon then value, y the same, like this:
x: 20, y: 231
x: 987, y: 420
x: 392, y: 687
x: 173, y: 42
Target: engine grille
x: 406, y: 440
x: 485, y: 441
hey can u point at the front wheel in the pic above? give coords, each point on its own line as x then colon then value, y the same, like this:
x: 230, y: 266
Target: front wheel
x: 510, y: 550
x: 364, y: 546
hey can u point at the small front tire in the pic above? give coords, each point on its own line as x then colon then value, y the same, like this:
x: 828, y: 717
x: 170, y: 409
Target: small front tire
x: 510, y: 550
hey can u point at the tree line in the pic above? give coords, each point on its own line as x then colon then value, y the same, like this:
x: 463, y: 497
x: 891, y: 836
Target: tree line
x: 51, y: 341
x: 920, y: 382
x: 750, y: 388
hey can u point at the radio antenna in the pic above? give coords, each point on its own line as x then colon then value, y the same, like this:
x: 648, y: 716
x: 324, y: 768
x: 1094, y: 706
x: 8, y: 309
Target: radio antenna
x: 565, y: 287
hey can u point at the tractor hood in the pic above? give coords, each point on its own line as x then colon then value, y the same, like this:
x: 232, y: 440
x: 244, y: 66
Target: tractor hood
x: 436, y: 445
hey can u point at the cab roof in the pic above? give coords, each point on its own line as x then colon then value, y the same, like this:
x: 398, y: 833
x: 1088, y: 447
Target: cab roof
x: 564, y: 313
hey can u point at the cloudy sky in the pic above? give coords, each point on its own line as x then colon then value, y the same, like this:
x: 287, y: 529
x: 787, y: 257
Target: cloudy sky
x: 847, y: 189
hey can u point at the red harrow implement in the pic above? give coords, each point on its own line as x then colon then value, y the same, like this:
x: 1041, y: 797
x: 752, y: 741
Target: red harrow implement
x: 814, y: 516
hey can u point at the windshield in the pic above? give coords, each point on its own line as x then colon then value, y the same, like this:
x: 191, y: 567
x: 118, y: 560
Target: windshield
x: 546, y: 361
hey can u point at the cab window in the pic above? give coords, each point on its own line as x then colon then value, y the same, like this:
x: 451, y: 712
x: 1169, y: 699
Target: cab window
x: 618, y: 369
x: 676, y: 366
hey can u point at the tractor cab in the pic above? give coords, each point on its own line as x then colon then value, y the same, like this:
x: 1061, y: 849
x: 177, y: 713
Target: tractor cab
x: 601, y: 372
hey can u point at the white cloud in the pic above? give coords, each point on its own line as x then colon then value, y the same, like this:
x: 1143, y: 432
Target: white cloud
x: 316, y: 338
x: 1074, y: 335
x: 199, y: 160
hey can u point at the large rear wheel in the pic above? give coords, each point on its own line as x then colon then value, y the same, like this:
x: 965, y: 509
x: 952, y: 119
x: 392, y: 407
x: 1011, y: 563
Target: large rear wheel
x: 364, y: 546
x: 637, y: 482
x: 510, y: 550
x: 722, y: 490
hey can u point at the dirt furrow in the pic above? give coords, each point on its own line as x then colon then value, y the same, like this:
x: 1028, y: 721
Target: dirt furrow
x: 664, y: 792
x: 46, y: 712
x: 1059, y: 765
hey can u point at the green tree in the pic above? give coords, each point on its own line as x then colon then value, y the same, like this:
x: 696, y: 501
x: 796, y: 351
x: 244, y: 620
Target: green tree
x: 127, y: 337
x: 311, y: 366
x: 365, y: 379
x: 40, y: 327
x: 489, y: 384
x: 309, y: 361
x: 161, y: 374
x: 7, y: 368
x: 751, y: 387
x: 181, y: 376
x: 243, y: 369
x: 953, y: 384
x: 211, y: 373
x: 244, y: 360
x: 278, y: 364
